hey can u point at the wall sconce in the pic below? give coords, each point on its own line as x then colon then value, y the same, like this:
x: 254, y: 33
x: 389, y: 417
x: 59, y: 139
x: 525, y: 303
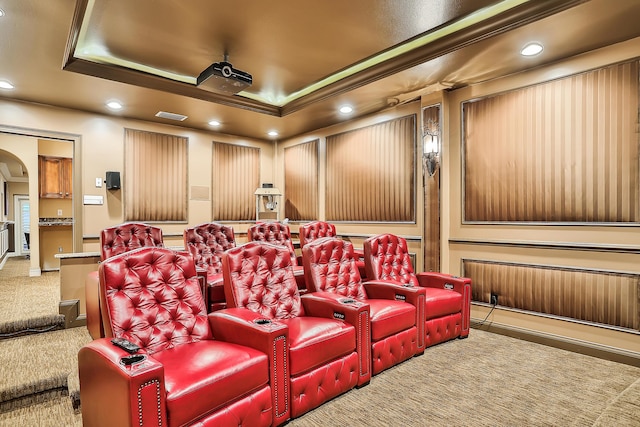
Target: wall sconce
x: 430, y: 146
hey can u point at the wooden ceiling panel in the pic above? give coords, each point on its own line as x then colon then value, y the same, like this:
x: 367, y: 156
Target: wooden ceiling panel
x: 285, y: 46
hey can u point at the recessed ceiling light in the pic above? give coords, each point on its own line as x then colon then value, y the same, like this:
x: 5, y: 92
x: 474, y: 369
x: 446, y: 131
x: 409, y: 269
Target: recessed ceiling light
x: 272, y: 133
x: 346, y: 109
x: 114, y: 105
x: 5, y: 85
x: 214, y: 123
x: 531, y: 49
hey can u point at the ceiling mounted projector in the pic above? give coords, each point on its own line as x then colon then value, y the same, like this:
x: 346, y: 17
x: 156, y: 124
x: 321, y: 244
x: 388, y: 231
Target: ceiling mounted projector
x: 221, y: 77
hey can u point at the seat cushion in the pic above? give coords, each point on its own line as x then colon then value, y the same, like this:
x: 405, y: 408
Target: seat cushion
x: 388, y: 317
x: 315, y: 341
x: 201, y: 377
x: 440, y: 302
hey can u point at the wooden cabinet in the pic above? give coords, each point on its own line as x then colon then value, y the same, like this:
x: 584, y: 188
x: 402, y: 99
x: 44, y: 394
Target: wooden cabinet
x: 55, y: 177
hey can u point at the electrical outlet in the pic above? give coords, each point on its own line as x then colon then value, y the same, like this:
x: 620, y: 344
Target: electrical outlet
x: 494, y: 298
x: 60, y: 249
x: 59, y: 212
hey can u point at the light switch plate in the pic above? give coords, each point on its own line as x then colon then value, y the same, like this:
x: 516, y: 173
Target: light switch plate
x: 98, y: 182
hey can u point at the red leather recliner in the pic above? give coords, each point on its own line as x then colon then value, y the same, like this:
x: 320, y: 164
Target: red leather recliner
x: 114, y: 241
x: 206, y: 243
x: 317, y: 229
x: 397, y: 311
x: 327, y: 352
x: 151, y: 297
x: 279, y: 234
x: 448, y: 298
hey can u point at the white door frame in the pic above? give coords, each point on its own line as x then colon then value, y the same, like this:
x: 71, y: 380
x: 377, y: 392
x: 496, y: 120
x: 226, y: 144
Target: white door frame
x: 18, y: 235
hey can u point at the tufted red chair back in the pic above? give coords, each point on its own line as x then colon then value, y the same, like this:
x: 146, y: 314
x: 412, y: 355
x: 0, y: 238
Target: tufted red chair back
x: 273, y: 232
x: 387, y: 257
x: 314, y: 230
x: 330, y: 266
x: 206, y: 243
x: 259, y: 276
x: 152, y: 298
x: 125, y: 237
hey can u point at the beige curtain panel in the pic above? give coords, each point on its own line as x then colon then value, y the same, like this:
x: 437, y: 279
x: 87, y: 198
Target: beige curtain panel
x: 155, y: 177
x: 370, y: 173
x: 236, y: 175
x: 562, y: 151
x: 598, y: 297
x: 301, y: 181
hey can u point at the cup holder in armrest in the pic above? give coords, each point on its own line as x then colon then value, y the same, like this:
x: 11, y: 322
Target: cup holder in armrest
x: 132, y: 359
x: 348, y: 301
x: 408, y: 285
x: 262, y: 321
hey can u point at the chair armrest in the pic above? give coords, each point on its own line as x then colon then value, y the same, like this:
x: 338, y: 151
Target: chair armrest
x: 116, y: 394
x: 215, y: 279
x: 444, y: 281
x: 92, y: 301
x: 333, y: 306
x: 389, y: 289
x: 201, y: 273
x: 461, y: 285
x: 414, y: 295
x: 245, y: 327
x: 354, y: 312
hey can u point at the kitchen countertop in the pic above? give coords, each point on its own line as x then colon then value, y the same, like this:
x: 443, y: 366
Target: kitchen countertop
x: 49, y: 222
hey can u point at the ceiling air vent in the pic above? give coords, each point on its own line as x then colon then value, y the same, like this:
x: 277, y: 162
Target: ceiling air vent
x: 170, y: 116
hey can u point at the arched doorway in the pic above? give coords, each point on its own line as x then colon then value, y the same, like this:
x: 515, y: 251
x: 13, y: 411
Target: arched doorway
x: 15, y: 212
x: 23, y: 144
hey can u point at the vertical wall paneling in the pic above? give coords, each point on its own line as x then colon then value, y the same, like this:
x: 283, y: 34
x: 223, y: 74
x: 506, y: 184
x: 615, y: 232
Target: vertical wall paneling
x: 155, y: 182
x: 601, y: 297
x: 431, y: 202
x: 301, y: 181
x: 370, y: 173
x: 561, y: 151
x: 235, y: 177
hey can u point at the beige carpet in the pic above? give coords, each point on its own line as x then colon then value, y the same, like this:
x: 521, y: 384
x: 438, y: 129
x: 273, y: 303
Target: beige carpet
x: 56, y: 412
x: 38, y: 363
x: 28, y: 302
x: 624, y: 410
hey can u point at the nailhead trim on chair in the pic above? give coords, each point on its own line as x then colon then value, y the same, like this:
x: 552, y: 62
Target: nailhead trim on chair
x: 364, y: 318
x: 465, y: 313
x: 421, y: 327
x: 156, y: 383
x: 275, y: 376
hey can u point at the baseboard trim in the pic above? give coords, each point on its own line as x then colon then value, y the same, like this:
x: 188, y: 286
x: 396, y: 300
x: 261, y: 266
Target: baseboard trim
x: 70, y: 309
x: 570, y: 344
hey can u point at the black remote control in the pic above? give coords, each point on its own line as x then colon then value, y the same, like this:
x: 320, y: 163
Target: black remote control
x: 126, y: 345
